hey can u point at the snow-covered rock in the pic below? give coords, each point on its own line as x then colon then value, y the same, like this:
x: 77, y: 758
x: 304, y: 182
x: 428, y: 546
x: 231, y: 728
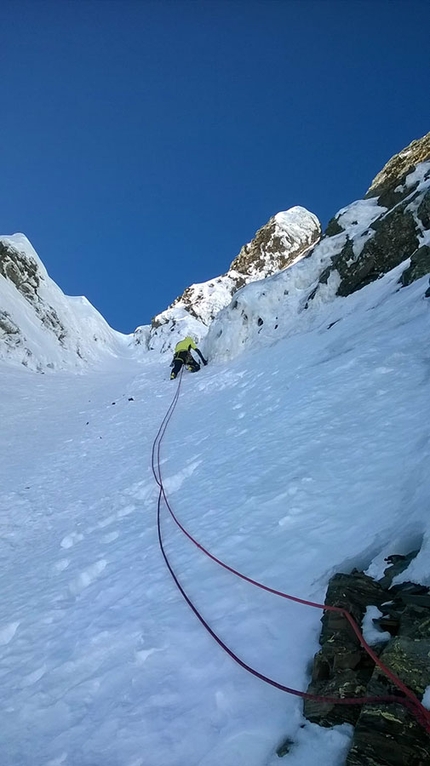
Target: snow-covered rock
x: 40, y: 327
x: 285, y: 239
x: 364, y: 241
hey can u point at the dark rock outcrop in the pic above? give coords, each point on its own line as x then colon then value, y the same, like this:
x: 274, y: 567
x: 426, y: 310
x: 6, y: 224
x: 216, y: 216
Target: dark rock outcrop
x: 275, y: 246
x: 389, y: 184
x: 419, y: 266
x: 394, y: 240
x: 386, y: 734
x: 342, y: 668
x: 401, y: 194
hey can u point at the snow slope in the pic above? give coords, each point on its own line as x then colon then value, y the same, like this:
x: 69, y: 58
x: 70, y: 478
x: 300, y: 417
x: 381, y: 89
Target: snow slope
x: 40, y: 327
x: 291, y: 462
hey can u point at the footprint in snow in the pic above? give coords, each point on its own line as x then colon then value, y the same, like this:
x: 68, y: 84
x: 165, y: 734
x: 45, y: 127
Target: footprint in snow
x: 115, y: 516
x: 61, y: 565
x: 70, y: 540
x: 87, y: 577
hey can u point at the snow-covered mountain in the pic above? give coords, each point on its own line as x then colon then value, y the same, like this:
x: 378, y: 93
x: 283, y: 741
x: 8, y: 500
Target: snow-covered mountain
x: 289, y: 463
x: 40, y: 327
x: 285, y: 239
x: 275, y: 286
x: 365, y: 240
x: 301, y: 450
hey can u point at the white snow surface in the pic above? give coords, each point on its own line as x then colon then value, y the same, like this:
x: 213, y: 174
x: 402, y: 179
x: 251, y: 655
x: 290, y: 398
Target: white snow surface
x: 264, y: 311
x: 293, y: 461
x: 87, y: 337
x: 371, y: 633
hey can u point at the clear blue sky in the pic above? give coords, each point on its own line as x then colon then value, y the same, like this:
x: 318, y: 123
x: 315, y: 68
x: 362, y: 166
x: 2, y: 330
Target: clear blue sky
x: 144, y: 142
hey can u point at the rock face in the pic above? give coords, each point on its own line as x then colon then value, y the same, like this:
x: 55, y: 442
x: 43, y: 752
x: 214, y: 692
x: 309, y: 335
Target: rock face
x: 40, y: 327
x: 399, y: 229
x: 386, y: 734
x: 342, y: 668
x: 22, y: 270
x: 389, y: 184
x: 285, y: 239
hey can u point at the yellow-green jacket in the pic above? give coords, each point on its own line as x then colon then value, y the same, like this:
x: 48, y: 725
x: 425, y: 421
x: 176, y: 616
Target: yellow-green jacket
x: 185, y: 344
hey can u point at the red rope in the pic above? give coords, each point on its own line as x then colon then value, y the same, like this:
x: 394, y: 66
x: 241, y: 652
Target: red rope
x: 409, y: 700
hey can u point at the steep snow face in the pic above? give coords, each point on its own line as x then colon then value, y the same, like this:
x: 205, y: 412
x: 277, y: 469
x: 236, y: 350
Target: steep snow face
x: 40, y: 327
x: 285, y: 239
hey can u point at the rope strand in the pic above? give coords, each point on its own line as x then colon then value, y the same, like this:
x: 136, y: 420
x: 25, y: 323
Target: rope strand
x: 409, y: 699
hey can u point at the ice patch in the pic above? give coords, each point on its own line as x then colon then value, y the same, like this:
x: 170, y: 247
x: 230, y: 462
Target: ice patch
x: 110, y: 537
x: 143, y: 654
x: 57, y: 761
x: 126, y: 511
x: 7, y: 633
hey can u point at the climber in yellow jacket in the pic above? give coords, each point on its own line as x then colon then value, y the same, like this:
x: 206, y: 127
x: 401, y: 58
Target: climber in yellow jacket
x: 183, y: 355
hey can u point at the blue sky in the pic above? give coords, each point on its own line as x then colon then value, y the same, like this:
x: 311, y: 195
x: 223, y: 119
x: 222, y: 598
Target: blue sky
x: 144, y: 142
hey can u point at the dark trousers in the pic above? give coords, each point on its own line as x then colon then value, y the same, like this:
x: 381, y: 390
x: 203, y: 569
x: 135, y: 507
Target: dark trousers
x: 183, y: 357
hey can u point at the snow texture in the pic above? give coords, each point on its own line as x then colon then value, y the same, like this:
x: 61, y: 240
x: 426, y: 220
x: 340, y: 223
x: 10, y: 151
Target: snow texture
x: 305, y: 455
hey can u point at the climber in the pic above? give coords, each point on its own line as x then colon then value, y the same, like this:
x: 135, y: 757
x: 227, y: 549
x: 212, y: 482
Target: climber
x: 183, y: 355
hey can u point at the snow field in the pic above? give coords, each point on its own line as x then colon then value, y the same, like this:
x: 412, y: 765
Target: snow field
x: 290, y: 463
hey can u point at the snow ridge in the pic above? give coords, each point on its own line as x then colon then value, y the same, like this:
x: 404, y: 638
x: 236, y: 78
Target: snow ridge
x: 40, y: 327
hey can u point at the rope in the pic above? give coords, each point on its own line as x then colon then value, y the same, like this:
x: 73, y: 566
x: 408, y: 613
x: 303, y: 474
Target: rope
x: 409, y: 700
